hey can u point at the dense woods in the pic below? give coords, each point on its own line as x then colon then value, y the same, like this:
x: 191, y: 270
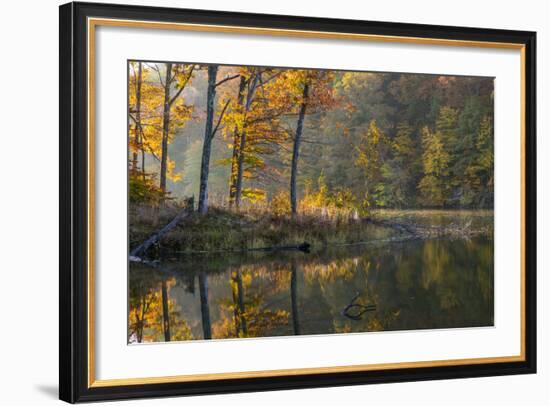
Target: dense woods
x: 268, y: 201
x: 293, y: 140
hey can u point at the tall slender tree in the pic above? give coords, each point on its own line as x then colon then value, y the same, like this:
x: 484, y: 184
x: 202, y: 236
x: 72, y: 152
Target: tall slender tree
x: 255, y: 119
x: 179, y: 75
x: 137, y: 128
x: 314, y: 92
x: 209, y: 133
x: 252, y: 86
x: 208, y: 136
x: 296, y: 148
x: 165, y: 127
x: 236, y: 143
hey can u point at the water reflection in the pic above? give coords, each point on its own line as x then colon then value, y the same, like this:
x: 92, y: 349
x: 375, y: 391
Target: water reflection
x: 401, y: 286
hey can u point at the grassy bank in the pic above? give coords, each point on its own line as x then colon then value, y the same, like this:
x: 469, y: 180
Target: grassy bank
x: 223, y: 229
x: 229, y: 230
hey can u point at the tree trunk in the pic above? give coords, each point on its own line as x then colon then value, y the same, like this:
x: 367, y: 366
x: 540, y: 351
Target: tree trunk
x: 242, y: 144
x: 207, y: 146
x: 142, y: 160
x: 165, y: 127
x: 141, y: 138
x: 205, y: 312
x: 296, y: 150
x: 137, y: 134
x: 236, y: 147
x: 240, y: 169
x: 165, y: 312
x: 294, y: 298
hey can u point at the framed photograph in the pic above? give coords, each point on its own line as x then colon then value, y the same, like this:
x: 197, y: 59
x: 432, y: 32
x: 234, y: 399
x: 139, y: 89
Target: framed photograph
x: 255, y: 202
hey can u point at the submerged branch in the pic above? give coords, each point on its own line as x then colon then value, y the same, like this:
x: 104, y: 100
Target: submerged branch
x: 355, y: 311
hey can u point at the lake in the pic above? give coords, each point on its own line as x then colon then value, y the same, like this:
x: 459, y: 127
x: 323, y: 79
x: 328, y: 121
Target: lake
x: 385, y: 286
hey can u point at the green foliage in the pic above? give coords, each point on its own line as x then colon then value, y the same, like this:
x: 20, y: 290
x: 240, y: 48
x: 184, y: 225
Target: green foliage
x: 402, y: 171
x: 458, y: 159
x: 435, y: 159
x: 369, y: 158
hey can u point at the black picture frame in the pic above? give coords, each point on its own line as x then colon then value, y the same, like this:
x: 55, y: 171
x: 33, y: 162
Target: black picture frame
x: 73, y: 283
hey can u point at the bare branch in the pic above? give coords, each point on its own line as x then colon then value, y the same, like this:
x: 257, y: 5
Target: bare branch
x: 226, y: 79
x: 156, y: 69
x: 182, y: 86
x: 152, y: 152
x: 220, y: 118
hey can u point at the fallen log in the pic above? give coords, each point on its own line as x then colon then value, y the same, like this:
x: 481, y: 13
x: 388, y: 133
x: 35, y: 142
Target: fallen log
x: 136, y: 253
x: 304, y: 247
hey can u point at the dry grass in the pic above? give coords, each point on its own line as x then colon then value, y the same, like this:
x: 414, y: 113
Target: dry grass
x: 225, y: 229
x: 231, y: 230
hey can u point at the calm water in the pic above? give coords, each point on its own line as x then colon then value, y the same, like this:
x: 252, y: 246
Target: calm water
x: 393, y: 286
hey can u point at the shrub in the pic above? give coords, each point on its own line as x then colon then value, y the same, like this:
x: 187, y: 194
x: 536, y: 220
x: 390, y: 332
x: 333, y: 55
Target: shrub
x: 143, y: 190
x: 280, y: 203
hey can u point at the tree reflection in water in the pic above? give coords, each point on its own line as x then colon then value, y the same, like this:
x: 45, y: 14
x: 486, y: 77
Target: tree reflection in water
x: 414, y: 285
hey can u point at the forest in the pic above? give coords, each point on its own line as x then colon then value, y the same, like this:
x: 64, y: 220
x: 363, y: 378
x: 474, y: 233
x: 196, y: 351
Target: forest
x: 281, y: 201
x: 301, y: 145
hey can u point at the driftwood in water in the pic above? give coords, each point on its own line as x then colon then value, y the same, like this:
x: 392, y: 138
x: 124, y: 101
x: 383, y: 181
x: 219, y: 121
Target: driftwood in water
x: 355, y: 310
x: 136, y: 253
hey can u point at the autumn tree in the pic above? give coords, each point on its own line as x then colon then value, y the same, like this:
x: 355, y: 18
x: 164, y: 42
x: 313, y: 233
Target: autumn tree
x: 484, y: 166
x: 236, y: 136
x: 137, y: 144
x: 209, y: 133
x: 157, y: 110
x: 178, y: 75
x: 435, y: 159
x: 371, y: 154
x: 296, y: 146
x: 302, y: 92
x: 253, y: 123
x: 401, y: 169
x: 236, y: 129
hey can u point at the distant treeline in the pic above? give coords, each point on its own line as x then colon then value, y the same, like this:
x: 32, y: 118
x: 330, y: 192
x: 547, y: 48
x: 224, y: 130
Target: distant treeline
x: 348, y: 139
